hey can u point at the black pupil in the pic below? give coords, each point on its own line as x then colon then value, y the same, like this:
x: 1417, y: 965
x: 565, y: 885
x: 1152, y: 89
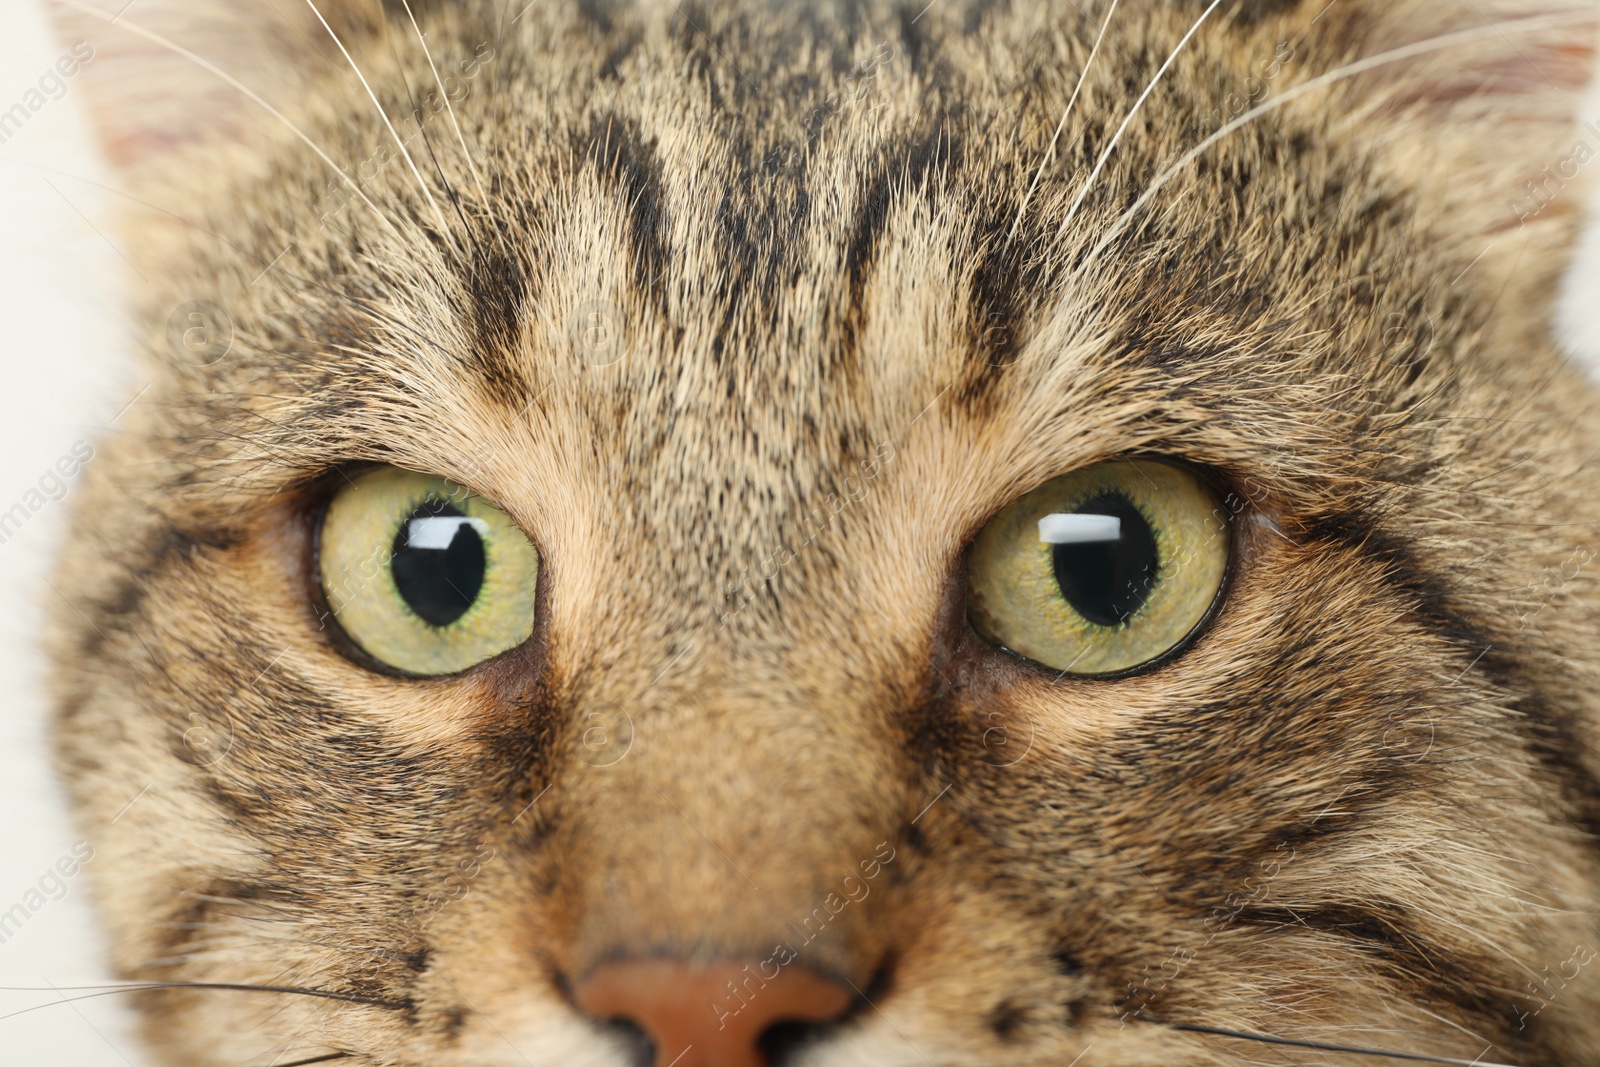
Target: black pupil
x: 1107, y: 582
x: 438, y: 565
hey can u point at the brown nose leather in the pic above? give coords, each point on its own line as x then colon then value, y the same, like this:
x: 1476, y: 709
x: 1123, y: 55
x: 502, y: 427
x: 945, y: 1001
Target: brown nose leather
x: 709, y: 1016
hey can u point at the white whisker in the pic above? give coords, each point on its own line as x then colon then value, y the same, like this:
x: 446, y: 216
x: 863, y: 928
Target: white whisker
x: 1460, y: 38
x: 461, y: 139
x: 1134, y: 110
x: 421, y: 184
x: 1050, y: 152
x: 205, y: 64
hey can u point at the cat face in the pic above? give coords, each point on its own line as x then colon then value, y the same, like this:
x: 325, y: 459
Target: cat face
x: 606, y: 569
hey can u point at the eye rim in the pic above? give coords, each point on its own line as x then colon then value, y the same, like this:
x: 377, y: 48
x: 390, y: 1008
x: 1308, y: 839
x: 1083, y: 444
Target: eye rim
x: 321, y: 493
x: 1221, y: 485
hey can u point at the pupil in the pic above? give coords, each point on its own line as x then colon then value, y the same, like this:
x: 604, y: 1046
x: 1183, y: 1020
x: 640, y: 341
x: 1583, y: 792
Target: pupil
x: 438, y: 565
x: 1107, y: 582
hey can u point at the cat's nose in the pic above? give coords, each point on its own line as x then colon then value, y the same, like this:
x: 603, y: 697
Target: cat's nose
x: 714, y: 1016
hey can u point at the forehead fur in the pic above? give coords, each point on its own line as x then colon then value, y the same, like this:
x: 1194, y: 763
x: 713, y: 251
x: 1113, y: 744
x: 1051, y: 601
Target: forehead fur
x: 796, y: 234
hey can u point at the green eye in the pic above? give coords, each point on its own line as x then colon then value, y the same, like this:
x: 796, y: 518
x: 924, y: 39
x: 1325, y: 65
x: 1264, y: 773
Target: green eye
x: 1101, y: 570
x: 423, y: 575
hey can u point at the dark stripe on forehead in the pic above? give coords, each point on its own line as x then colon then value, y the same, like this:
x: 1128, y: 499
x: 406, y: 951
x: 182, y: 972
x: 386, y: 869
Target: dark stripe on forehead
x: 904, y: 167
x: 915, y: 166
x: 599, y: 12
x: 1007, y: 270
x: 913, y: 38
x: 1008, y: 279
x: 498, y: 289
x: 1549, y: 728
x: 759, y: 227
x: 1249, y: 12
x: 628, y: 163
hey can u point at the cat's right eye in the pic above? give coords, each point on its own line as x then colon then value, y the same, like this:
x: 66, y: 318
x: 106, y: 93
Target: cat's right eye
x: 424, y: 576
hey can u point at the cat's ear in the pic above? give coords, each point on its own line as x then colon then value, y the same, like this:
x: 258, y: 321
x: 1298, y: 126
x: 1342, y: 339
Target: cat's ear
x: 147, y: 64
x: 1479, y: 101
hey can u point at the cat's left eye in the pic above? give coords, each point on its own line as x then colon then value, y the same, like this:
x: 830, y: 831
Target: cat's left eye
x: 1103, y: 570
x: 424, y: 576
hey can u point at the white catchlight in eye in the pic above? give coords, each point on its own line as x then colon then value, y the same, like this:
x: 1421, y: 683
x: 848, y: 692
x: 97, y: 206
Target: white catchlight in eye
x: 437, y: 531
x: 1075, y: 529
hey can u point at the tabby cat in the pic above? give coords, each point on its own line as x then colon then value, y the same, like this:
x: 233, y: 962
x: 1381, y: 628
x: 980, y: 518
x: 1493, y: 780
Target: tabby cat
x: 725, y: 533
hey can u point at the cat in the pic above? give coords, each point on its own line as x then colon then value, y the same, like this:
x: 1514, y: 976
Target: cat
x: 951, y: 533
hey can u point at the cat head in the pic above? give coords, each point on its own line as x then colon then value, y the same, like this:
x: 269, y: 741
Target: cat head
x: 764, y: 373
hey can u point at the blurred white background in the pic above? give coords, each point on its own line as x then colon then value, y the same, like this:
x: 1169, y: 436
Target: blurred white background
x: 63, y: 380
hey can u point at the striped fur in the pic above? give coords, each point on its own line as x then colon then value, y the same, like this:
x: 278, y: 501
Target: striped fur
x: 856, y: 293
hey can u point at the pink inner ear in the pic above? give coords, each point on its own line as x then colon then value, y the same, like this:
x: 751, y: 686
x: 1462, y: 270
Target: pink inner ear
x: 131, y: 136
x: 1576, y: 58
x: 1524, y: 46
x: 129, y: 148
x: 147, y: 101
x: 1538, y: 65
x: 1498, y: 107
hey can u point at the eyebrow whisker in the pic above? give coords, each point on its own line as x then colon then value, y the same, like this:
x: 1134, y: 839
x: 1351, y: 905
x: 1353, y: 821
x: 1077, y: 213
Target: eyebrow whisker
x: 1050, y: 152
x: 1111, y: 145
x: 1459, y: 38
